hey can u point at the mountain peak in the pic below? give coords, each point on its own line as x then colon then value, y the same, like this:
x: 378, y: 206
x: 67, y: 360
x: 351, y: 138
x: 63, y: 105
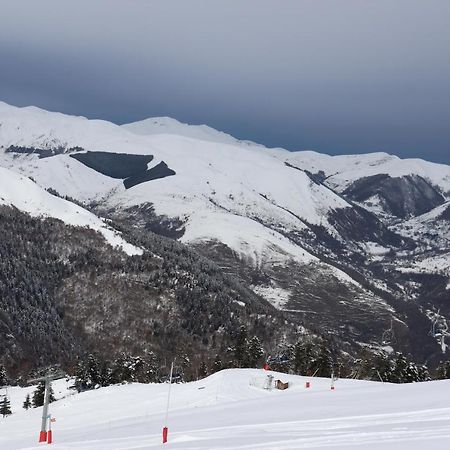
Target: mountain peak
x: 168, y: 125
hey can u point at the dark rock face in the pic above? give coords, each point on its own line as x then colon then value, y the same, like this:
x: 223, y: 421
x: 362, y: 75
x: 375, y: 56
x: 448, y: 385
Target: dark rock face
x: 114, y: 165
x: 358, y: 224
x: 145, y: 217
x: 402, y: 197
x: 41, y: 152
x: 132, y: 169
x: 445, y: 214
x: 159, y: 171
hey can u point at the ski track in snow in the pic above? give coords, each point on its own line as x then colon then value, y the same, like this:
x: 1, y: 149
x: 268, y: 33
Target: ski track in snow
x: 228, y: 413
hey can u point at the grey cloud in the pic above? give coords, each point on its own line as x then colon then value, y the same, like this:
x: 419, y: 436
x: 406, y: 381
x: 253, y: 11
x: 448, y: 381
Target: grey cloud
x: 332, y: 75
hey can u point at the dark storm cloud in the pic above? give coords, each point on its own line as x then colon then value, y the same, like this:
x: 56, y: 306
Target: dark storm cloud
x: 334, y: 75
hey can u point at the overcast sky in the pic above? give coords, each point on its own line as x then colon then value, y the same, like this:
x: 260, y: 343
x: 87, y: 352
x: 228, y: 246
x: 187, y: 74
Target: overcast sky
x: 336, y: 76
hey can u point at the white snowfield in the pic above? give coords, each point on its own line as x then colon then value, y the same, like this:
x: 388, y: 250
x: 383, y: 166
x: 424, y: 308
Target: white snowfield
x: 224, y: 411
x: 167, y: 125
x: 24, y: 194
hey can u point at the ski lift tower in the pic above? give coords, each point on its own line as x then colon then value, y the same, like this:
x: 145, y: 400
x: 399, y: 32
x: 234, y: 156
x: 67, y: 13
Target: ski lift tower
x: 439, y: 329
x: 48, y: 381
x: 443, y: 334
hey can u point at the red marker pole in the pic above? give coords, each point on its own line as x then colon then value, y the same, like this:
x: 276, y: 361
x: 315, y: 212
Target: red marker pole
x: 49, y: 433
x: 43, y: 435
x: 166, y: 428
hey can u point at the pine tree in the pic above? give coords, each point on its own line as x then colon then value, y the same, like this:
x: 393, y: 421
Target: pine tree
x: 80, y: 377
x: 93, y: 372
x: 184, y: 365
x: 383, y: 367
x: 5, y: 407
x: 408, y: 372
x: 202, y: 370
x: 423, y: 374
x: 324, y: 361
x: 443, y: 371
x: 303, y: 357
x: 88, y: 374
x: 27, y: 402
x: 217, y: 365
x: 122, y: 369
x: 105, y: 373
x: 151, y: 368
x: 240, y: 349
x: 3, y: 377
x: 255, y: 352
x: 39, y: 393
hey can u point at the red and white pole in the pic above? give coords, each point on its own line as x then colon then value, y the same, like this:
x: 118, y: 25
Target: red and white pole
x: 43, y: 433
x: 166, y: 428
x: 49, y: 433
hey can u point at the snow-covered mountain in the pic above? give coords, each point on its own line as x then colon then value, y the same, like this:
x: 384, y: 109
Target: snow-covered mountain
x: 167, y: 125
x: 320, y: 237
x: 374, y: 179
x: 238, y: 196
x: 342, y: 170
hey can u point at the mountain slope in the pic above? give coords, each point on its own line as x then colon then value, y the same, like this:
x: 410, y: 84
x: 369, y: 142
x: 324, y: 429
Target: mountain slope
x: 64, y: 292
x: 25, y: 195
x: 293, y: 227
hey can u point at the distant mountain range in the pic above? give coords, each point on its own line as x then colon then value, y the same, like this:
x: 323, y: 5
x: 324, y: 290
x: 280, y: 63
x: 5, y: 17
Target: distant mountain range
x: 355, y: 247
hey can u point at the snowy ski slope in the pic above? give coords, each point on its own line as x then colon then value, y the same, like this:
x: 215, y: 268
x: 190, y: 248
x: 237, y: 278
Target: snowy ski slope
x: 224, y: 411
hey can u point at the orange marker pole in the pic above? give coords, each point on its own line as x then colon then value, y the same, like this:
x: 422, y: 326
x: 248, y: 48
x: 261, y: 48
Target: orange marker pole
x: 166, y: 428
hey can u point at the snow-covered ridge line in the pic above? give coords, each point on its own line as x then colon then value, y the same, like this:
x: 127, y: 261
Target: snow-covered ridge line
x: 342, y: 170
x: 167, y: 125
x: 24, y: 194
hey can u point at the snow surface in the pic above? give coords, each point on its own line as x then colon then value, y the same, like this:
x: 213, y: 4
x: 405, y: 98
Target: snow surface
x: 24, y: 194
x: 433, y: 264
x: 167, y: 125
x: 246, y: 237
x: 228, y: 411
x: 277, y: 296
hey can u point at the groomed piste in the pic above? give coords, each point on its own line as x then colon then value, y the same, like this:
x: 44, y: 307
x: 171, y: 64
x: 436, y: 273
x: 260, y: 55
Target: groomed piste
x: 228, y: 410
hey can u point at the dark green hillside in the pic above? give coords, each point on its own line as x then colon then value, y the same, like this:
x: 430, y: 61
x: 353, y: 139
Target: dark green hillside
x: 64, y: 292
